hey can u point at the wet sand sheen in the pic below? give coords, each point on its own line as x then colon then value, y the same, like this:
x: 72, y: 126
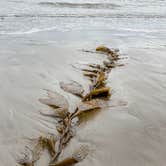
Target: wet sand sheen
x: 134, y: 135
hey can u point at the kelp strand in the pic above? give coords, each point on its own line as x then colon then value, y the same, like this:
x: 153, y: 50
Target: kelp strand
x: 98, y: 93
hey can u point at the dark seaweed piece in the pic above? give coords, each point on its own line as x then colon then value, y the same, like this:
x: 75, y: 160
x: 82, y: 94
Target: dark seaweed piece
x: 112, y: 55
x: 111, y: 64
x: 86, y: 106
x: 65, y: 135
x: 73, y: 87
x: 95, y: 66
x: 66, y: 162
x: 32, y: 156
x: 50, y: 142
x: 90, y: 74
x: 90, y: 70
x: 100, y: 80
x: 100, y: 92
x: 77, y: 156
x: 103, y: 49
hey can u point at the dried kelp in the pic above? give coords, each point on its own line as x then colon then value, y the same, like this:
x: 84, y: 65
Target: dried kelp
x: 94, y: 100
x: 109, y: 64
x: 30, y: 156
x: 55, y: 100
x: 97, y: 93
x: 112, y: 55
x: 100, y: 80
x: 76, y: 157
x: 103, y: 49
x: 66, y: 162
x: 90, y: 75
x: 95, y: 66
x: 73, y: 87
x: 91, y: 70
x: 86, y: 106
x: 64, y: 137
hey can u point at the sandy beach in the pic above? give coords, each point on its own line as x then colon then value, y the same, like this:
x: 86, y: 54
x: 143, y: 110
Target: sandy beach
x: 131, y: 135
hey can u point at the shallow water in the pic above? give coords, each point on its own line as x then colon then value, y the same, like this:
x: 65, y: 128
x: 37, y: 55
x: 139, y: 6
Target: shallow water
x: 39, y: 41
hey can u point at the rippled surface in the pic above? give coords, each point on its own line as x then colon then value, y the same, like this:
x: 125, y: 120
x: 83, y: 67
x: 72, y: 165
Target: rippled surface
x: 39, y: 40
x: 19, y: 17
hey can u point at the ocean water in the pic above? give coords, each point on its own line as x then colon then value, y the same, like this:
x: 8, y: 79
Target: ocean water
x: 39, y: 40
x: 24, y: 17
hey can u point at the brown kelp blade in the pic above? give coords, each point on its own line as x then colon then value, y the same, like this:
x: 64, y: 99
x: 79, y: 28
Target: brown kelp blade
x: 90, y: 75
x: 30, y: 156
x: 87, y: 106
x: 103, y: 49
x: 112, y: 54
x: 55, y: 100
x: 95, y: 66
x: 79, y: 155
x: 99, y: 92
x: 109, y: 64
x: 47, y: 142
x: 23, y: 162
x: 100, y: 79
x: 66, y: 162
x: 61, y: 100
x: 50, y: 144
x: 90, y: 70
x: 101, y: 76
x: 73, y: 87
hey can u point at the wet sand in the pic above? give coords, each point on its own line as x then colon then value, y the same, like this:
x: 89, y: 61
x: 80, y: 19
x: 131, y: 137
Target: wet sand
x: 130, y: 135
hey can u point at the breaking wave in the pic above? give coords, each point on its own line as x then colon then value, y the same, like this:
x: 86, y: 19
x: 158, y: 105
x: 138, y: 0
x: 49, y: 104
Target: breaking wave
x: 80, y: 5
x: 99, y: 15
x: 33, y: 30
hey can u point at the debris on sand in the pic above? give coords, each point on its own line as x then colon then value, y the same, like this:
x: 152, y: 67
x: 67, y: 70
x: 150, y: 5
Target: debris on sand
x: 30, y: 156
x: 97, y: 93
x: 86, y: 106
x: 73, y: 87
x: 76, y: 157
x: 103, y: 49
x: 55, y: 100
x: 112, y: 55
x: 95, y: 99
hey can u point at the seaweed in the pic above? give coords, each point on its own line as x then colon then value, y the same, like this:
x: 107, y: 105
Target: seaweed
x: 58, y: 105
x: 76, y: 157
x: 66, y: 162
x: 112, y: 55
x: 73, y: 87
x: 90, y: 75
x: 86, y: 106
x: 100, y: 80
x: 55, y: 100
x: 30, y: 156
x: 103, y: 49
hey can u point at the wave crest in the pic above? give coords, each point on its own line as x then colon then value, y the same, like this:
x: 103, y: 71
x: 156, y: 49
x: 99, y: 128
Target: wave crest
x: 80, y: 5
